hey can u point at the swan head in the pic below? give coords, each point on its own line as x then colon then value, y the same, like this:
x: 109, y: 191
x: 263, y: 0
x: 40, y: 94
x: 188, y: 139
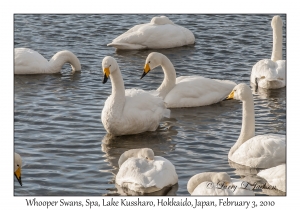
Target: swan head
x: 153, y: 60
x: 109, y: 65
x: 18, y: 167
x: 276, y: 22
x: 221, y: 177
x: 147, y: 153
x: 240, y: 92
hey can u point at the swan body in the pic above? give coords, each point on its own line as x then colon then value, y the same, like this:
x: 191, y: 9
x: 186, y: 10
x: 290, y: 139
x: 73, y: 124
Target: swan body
x: 212, y: 183
x: 129, y: 111
x: 18, y: 167
x: 186, y: 91
x: 275, y: 176
x: 159, y: 33
x: 28, y: 61
x: 144, y: 175
x: 262, y: 151
x: 271, y: 73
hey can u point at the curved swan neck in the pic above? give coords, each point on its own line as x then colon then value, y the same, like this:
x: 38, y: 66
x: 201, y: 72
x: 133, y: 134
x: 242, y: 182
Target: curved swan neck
x: 62, y: 57
x: 198, y: 179
x: 248, y: 124
x: 277, y: 43
x: 169, y: 81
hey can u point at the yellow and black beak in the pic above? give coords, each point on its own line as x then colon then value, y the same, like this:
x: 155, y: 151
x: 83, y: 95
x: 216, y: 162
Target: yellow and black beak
x: 146, y: 70
x: 18, y: 175
x: 230, y: 96
x: 106, y: 75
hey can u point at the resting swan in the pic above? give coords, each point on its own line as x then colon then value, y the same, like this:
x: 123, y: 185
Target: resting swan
x: 212, y: 183
x: 262, y: 151
x: 186, y: 91
x: 129, y: 111
x: 270, y: 73
x: 28, y: 61
x: 142, y: 172
x: 18, y: 167
x: 275, y: 176
x: 159, y: 33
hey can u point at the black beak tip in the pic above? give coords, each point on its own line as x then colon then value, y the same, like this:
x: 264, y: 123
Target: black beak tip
x: 104, y: 79
x: 144, y: 74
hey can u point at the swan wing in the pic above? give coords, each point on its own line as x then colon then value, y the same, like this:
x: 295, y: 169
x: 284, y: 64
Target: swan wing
x: 262, y: 151
x: 27, y: 61
x: 138, y: 173
x: 191, y: 91
x: 269, y: 74
x: 275, y: 176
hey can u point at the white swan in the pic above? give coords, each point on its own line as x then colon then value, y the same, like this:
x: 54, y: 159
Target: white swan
x: 275, y: 176
x: 28, y: 61
x: 271, y: 73
x: 262, y: 151
x: 142, y: 172
x: 159, y: 33
x: 212, y: 183
x: 186, y: 91
x: 18, y: 167
x: 129, y: 111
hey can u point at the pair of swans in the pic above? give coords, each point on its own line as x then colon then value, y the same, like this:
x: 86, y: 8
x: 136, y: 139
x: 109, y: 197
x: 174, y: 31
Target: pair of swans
x: 271, y: 73
x: 161, y: 32
x: 27, y: 61
x: 135, y: 111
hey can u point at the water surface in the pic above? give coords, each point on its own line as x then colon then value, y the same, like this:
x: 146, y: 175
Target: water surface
x: 57, y: 126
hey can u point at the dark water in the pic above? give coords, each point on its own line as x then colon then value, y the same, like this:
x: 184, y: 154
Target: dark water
x: 57, y: 126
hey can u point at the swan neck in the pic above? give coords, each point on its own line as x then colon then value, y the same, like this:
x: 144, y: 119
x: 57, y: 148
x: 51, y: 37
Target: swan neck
x: 169, y: 81
x: 118, y: 92
x: 277, y: 44
x: 248, y: 124
x: 198, y: 179
x: 62, y: 57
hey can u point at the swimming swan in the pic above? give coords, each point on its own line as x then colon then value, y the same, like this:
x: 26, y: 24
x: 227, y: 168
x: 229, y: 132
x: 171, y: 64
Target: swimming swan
x: 212, y: 183
x: 275, y: 176
x: 129, y: 111
x: 159, y: 33
x: 262, y: 151
x: 271, y: 73
x: 28, y: 61
x: 18, y: 167
x: 141, y: 171
x: 186, y: 91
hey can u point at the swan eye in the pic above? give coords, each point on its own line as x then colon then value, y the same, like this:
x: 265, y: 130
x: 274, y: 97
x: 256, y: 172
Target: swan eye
x: 18, y: 165
x: 149, y: 62
x: 147, y: 158
x: 109, y: 65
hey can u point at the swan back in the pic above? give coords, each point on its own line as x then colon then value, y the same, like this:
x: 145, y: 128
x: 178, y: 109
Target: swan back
x: 139, y: 174
x: 159, y: 33
x: 145, y: 153
x: 27, y: 61
x: 275, y: 176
